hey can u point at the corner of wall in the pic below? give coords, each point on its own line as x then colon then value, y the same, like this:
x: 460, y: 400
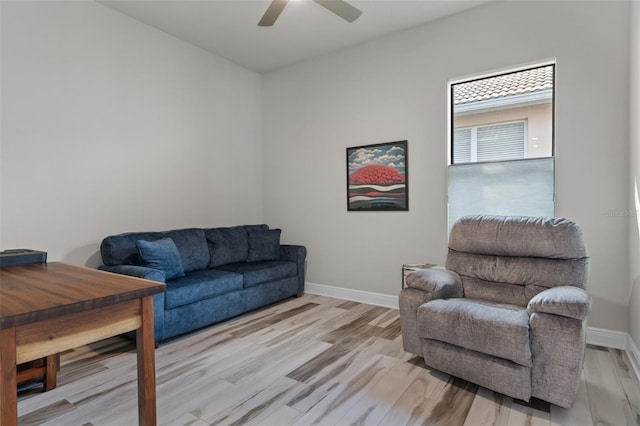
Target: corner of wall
x: 634, y: 355
x: 634, y: 178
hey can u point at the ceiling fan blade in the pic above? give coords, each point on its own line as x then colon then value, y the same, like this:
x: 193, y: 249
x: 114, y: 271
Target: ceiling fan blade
x: 273, y: 11
x: 341, y: 8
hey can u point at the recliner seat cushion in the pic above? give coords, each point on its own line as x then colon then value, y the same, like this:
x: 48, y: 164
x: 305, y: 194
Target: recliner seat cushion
x: 256, y: 273
x: 496, y: 329
x: 199, y: 285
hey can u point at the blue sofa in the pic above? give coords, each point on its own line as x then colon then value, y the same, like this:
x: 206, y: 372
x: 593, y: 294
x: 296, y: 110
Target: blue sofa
x: 211, y: 274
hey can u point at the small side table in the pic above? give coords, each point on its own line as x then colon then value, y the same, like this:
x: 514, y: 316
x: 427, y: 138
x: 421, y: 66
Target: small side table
x: 407, y: 268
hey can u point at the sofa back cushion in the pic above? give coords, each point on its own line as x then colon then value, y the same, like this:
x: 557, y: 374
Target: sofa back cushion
x: 264, y: 244
x: 229, y: 245
x: 511, y: 259
x: 121, y: 249
x: 191, y: 244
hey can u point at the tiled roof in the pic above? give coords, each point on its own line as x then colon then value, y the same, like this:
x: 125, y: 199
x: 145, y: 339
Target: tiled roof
x: 529, y: 81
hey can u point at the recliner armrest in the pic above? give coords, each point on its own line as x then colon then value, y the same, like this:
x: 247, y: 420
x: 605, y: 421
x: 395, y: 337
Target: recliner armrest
x: 441, y: 283
x: 566, y: 301
x: 136, y: 271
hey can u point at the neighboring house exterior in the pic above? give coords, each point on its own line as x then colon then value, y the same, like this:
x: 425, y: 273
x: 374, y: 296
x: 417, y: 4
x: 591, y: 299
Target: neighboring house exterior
x: 506, y: 117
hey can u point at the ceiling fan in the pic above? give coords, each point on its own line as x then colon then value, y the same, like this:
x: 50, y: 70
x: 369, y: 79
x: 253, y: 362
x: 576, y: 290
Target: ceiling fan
x: 339, y: 7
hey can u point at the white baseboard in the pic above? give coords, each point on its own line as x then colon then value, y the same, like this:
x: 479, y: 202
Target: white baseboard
x: 367, y: 297
x: 634, y: 355
x: 605, y: 337
x: 595, y: 336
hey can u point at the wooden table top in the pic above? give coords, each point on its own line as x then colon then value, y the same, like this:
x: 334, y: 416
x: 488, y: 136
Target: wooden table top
x: 37, y: 292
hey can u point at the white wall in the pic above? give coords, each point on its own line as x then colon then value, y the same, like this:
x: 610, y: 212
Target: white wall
x: 395, y: 88
x: 109, y: 125
x: 634, y: 181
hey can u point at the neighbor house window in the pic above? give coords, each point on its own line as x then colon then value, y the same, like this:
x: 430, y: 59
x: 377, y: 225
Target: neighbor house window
x: 502, y: 146
x: 490, y: 142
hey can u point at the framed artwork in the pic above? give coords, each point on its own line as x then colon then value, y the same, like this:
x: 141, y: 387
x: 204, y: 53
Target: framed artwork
x: 377, y: 177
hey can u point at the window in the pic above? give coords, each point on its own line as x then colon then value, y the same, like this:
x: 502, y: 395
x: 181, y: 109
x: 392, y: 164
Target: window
x: 501, y: 151
x: 492, y: 142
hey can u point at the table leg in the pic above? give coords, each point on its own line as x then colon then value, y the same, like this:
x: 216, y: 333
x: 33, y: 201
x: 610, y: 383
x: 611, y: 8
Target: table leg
x: 8, y: 378
x: 50, y: 372
x: 145, y: 347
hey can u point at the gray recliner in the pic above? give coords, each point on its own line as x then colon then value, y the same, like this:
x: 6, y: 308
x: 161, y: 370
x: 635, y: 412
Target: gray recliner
x: 509, y: 312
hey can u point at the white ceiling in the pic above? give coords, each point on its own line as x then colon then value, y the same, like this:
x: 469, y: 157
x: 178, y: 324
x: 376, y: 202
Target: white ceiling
x: 304, y: 30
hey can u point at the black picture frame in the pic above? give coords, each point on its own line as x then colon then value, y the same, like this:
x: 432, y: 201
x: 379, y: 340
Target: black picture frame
x: 378, y: 177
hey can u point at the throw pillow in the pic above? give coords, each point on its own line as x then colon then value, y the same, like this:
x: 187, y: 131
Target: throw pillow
x: 162, y: 255
x: 263, y: 244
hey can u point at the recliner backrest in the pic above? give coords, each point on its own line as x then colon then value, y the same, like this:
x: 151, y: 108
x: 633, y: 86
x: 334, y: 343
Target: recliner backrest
x: 510, y: 259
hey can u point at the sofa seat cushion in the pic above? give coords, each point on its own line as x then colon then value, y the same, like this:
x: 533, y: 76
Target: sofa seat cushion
x: 256, y: 273
x: 497, y: 329
x: 198, y: 285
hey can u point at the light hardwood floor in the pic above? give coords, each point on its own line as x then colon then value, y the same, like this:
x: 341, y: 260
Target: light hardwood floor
x: 311, y: 360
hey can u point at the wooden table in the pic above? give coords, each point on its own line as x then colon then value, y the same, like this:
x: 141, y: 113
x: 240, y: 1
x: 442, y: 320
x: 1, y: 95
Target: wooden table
x: 49, y: 308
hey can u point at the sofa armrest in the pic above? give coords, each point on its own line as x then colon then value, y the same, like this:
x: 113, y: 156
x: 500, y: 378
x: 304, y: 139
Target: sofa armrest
x: 439, y: 283
x: 136, y: 271
x: 293, y: 253
x: 297, y: 254
x: 565, y: 301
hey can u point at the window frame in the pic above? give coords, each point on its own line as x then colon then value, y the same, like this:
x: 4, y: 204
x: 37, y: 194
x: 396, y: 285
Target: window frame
x: 505, y: 71
x: 481, y: 76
